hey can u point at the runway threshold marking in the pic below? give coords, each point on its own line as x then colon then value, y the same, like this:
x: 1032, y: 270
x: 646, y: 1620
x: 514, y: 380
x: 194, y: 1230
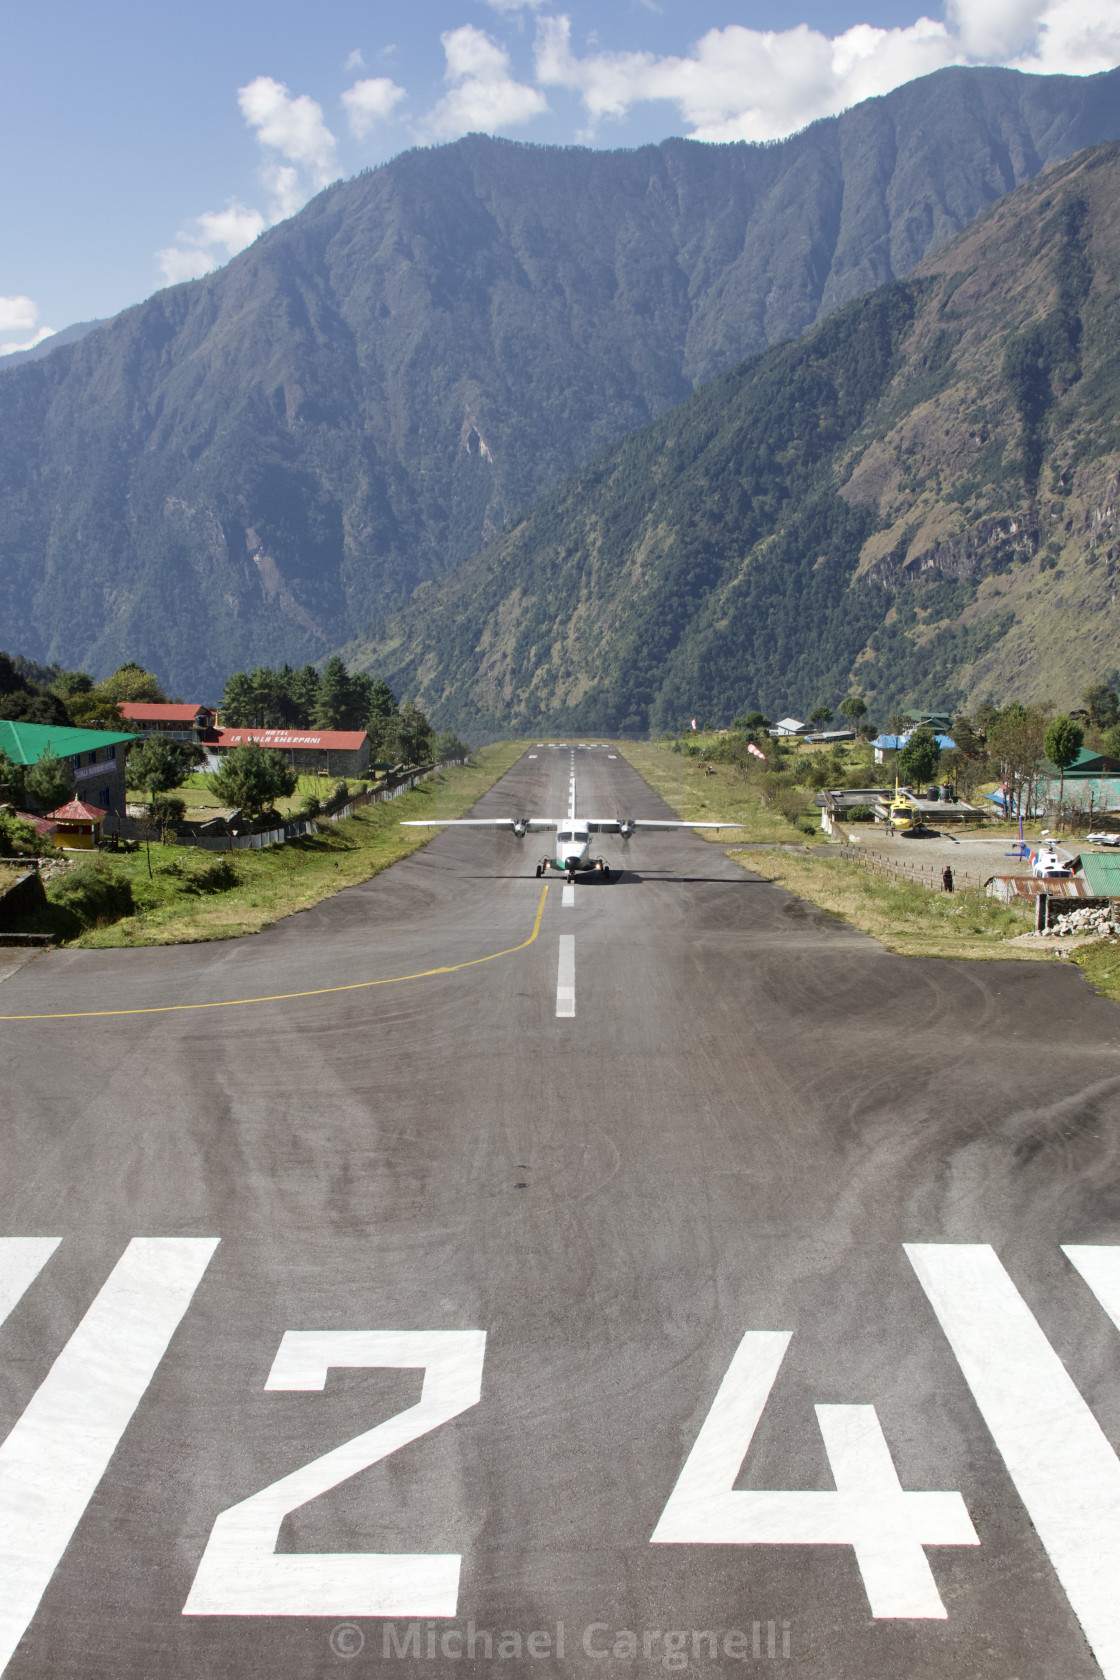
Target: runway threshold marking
x: 1056, y: 1453
x: 54, y: 1458
x: 284, y: 997
x: 566, y: 976
x: 21, y: 1261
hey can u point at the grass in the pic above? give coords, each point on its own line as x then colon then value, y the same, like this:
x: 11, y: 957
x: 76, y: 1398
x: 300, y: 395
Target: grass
x: 906, y: 918
x: 692, y: 793
x: 903, y: 916
x: 197, y: 792
x: 189, y: 897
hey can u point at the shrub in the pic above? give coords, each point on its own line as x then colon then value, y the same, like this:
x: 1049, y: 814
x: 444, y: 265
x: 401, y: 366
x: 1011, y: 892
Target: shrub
x: 791, y: 803
x: 859, y: 813
x: 17, y: 839
x: 217, y: 876
x: 93, y: 893
x: 310, y: 805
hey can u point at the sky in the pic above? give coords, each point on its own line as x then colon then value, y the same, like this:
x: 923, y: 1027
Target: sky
x: 147, y: 144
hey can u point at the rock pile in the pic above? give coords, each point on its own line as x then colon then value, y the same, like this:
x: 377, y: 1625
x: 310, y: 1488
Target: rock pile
x: 1088, y: 920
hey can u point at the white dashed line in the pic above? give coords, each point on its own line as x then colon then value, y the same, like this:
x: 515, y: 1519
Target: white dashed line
x: 568, y: 898
x: 1056, y: 1453
x: 566, y: 976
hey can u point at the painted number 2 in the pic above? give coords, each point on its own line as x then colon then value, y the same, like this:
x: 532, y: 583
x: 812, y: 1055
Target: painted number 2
x: 869, y: 1509
x: 241, y: 1572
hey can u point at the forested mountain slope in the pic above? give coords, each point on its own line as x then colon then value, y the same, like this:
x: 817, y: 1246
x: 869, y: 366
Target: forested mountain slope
x: 251, y: 466
x: 918, y: 500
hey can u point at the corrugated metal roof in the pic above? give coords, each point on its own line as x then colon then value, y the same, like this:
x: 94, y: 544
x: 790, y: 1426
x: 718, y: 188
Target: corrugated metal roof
x: 139, y: 710
x: 1102, y: 874
x: 27, y: 742
x: 1103, y: 790
x: 337, y: 740
x: 76, y: 810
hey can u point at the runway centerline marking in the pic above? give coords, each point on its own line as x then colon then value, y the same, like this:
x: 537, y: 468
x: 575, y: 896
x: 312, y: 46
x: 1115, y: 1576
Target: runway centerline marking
x: 284, y: 997
x: 566, y: 977
x: 54, y: 1458
x: 568, y: 898
x: 1056, y: 1453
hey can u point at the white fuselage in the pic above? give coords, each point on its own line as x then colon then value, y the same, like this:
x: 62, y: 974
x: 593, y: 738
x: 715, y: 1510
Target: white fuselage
x: 573, y: 847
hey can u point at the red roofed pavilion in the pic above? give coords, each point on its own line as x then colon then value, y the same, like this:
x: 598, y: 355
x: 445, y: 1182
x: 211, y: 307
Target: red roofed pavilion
x: 78, y: 824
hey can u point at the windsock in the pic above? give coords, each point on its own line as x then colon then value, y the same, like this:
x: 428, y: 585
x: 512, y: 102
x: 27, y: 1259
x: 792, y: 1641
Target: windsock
x: 694, y: 723
x: 751, y: 748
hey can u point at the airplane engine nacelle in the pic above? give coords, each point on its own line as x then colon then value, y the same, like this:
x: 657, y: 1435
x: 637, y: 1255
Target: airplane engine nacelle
x: 626, y: 827
x: 521, y: 827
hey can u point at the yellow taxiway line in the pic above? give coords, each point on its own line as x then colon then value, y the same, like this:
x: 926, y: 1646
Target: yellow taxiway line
x: 284, y: 997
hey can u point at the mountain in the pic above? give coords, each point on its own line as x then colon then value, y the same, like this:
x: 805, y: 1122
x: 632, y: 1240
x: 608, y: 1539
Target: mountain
x: 919, y: 500
x: 255, y: 465
x: 65, y: 335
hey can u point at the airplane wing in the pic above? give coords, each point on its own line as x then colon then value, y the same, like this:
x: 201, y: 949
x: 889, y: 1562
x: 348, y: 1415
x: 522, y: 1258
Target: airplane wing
x: 517, y: 825
x: 626, y: 826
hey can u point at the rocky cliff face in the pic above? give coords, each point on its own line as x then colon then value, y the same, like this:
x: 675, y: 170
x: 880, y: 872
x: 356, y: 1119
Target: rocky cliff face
x: 918, y: 500
x: 256, y: 465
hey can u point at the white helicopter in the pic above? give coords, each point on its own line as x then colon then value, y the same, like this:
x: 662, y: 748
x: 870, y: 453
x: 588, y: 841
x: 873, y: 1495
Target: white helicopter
x: 572, y: 856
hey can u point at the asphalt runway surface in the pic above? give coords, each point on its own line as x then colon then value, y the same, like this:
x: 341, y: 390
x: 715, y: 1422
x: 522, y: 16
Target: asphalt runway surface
x: 677, y: 1396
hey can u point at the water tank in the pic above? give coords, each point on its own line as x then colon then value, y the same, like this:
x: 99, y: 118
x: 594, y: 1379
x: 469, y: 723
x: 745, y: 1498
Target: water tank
x: 931, y: 792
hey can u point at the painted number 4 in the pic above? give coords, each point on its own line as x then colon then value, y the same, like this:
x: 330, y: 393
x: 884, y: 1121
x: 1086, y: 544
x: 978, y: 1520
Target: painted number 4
x: 869, y: 1510
x: 241, y: 1572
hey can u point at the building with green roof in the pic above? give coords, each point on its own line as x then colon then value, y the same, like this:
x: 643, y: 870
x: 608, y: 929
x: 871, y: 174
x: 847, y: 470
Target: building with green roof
x: 96, y: 756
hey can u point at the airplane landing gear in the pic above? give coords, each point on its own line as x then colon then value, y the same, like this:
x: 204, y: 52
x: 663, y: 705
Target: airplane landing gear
x: 540, y: 870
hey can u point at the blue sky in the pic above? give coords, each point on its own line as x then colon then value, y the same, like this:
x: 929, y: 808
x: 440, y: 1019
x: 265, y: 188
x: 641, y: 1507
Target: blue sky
x: 146, y: 144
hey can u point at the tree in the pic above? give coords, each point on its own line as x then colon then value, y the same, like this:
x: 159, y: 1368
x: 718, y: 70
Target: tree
x: 919, y: 758
x: 165, y: 810
x: 50, y: 782
x: 131, y: 682
x: 853, y: 708
x: 156, y: 766
x: 382, y: 720
x: 1015, y: 740
x: 821, y: 714
x: 1102, y: 704
x: 1062, y: 743
x: 304, y: 691
x: 237, y: 701
x: 334, y: 706
x: 93, y: 709
x: 414, y: 734
x: 12, y: 776
x: 252, y: 778
x: 447, y: 747
x: 34, y: 705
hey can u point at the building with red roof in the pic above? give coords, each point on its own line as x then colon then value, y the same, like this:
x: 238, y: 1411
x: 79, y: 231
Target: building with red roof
x: 177, y: 723
x: 77, y: 825
x: 313, y: 752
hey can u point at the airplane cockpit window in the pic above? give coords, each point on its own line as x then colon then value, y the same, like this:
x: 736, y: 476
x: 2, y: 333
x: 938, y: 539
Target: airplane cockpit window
x: 566, y: 835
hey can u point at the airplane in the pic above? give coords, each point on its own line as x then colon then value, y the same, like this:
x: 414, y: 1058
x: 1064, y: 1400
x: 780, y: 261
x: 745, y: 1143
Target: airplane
x: 572, y: 856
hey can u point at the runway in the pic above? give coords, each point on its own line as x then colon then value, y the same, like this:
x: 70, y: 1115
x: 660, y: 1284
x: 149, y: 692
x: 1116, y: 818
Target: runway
x: 653, y: 1277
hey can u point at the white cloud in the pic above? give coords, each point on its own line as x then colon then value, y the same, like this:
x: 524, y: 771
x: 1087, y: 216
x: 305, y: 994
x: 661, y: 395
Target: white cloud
x: 748, y: 84
x: 355, y: 61
x: 19, y: 316
x: 370, y: 102
x: 506, y: 7
x: 294, y: 127
x: 483, y: 95
x: 212, y: 238
x: 1075, y: 38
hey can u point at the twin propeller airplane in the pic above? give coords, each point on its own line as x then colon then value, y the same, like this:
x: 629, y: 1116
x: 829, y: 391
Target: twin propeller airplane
x: 572, y: 856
